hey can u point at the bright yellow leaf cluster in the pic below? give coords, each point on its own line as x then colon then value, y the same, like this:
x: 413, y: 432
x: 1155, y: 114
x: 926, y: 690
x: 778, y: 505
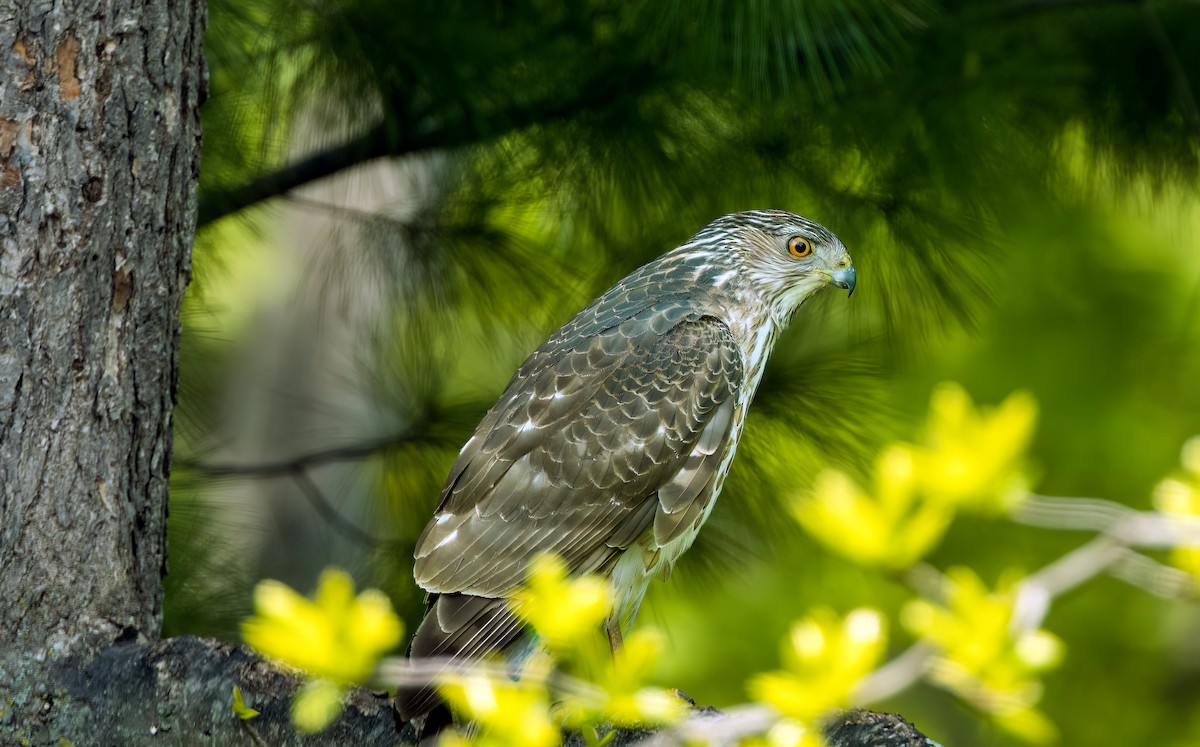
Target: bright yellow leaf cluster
x: 787, y: 732
x: 621, y: 697
x: 565, y: 612
x: 316, y: 705
x: 1180, y: 496
x: 891, y: 527
x: 970, y: 459
x: 336, y: 638
x: 505, y: 713
x: 825, y: 658
x: 981, y: 658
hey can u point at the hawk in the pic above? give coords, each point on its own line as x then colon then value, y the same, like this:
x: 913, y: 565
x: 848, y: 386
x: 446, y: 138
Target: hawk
x: 611, y: 442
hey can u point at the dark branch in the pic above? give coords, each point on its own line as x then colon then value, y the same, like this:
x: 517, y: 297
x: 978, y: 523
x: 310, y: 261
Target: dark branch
x: 348, y: 453
x: 857, y: 728
x: 179, y: 691
x: 297, y: 468
x: 176, y: 691
x: 367, y: 147
x: 330, y: 514
x: 392, y: 139
x: 1035, y: 7
x: 1179, y: 76
x: 351, y: 213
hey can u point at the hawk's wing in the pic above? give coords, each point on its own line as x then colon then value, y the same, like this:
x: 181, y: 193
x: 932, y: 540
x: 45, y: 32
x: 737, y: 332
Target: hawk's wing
x: 590, y: 443
x: 618, y: 422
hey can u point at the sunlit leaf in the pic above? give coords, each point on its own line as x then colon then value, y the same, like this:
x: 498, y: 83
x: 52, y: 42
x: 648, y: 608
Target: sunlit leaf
x: 621, y: 696
x: 564, y: 611
x: 891, y: 528
x: 316, y: 705
x: 505, y: 713
x: 1180, y: 496
x: 825, y: 658
x: 335, y: 636
x: 240, y: 709
x: 980, y: 658
x: 973, y: 458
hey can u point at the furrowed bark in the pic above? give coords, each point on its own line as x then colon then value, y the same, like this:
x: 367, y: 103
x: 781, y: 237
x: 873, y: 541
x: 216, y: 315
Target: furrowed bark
x: 99, y: 155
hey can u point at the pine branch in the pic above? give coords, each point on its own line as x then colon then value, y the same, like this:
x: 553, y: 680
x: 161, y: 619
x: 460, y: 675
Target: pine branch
x: 297, y: 468
x: 1034, y: 7
x: 1170, y: 58
x: 373, y: 144
x: 290, y: 465
x: 393, y: 139
x: 330, y: 514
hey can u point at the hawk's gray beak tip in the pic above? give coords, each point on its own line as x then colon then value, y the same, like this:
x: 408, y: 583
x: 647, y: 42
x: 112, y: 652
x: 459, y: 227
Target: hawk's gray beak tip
x: 845, y: 279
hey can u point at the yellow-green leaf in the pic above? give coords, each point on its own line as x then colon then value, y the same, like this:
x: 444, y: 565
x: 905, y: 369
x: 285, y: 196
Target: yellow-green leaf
x: 506, y: 713
x: 565, y: 611
x: 335, y: 636
x: 316, y: 705
x: 825, y: 658
x: 240, y: 709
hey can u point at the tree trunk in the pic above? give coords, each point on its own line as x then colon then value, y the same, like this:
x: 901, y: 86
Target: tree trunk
x: 99, y: 159
x: 99, y: 155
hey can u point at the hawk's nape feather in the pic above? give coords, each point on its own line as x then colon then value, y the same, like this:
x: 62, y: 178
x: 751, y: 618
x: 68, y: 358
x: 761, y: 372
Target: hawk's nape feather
x: 586, y: 449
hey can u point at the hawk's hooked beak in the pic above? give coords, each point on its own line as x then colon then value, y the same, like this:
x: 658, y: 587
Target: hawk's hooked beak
x: 844, y: 278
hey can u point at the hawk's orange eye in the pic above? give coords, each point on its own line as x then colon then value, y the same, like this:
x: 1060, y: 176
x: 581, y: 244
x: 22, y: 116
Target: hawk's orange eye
x: 799, y: 246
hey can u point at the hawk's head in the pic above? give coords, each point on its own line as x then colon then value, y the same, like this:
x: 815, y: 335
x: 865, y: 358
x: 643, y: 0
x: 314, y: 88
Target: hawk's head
x: 785, y: 257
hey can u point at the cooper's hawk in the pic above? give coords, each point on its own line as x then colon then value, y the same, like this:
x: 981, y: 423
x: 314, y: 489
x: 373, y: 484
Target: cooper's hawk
x: 610, y: 444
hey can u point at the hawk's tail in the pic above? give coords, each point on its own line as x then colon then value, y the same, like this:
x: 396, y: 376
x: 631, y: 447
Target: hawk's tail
x: 458, y: 626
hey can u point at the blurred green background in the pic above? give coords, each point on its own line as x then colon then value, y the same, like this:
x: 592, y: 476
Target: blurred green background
x: 401, y: 199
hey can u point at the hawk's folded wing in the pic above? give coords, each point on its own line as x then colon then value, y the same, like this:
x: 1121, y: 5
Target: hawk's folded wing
x: 588, y: 446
